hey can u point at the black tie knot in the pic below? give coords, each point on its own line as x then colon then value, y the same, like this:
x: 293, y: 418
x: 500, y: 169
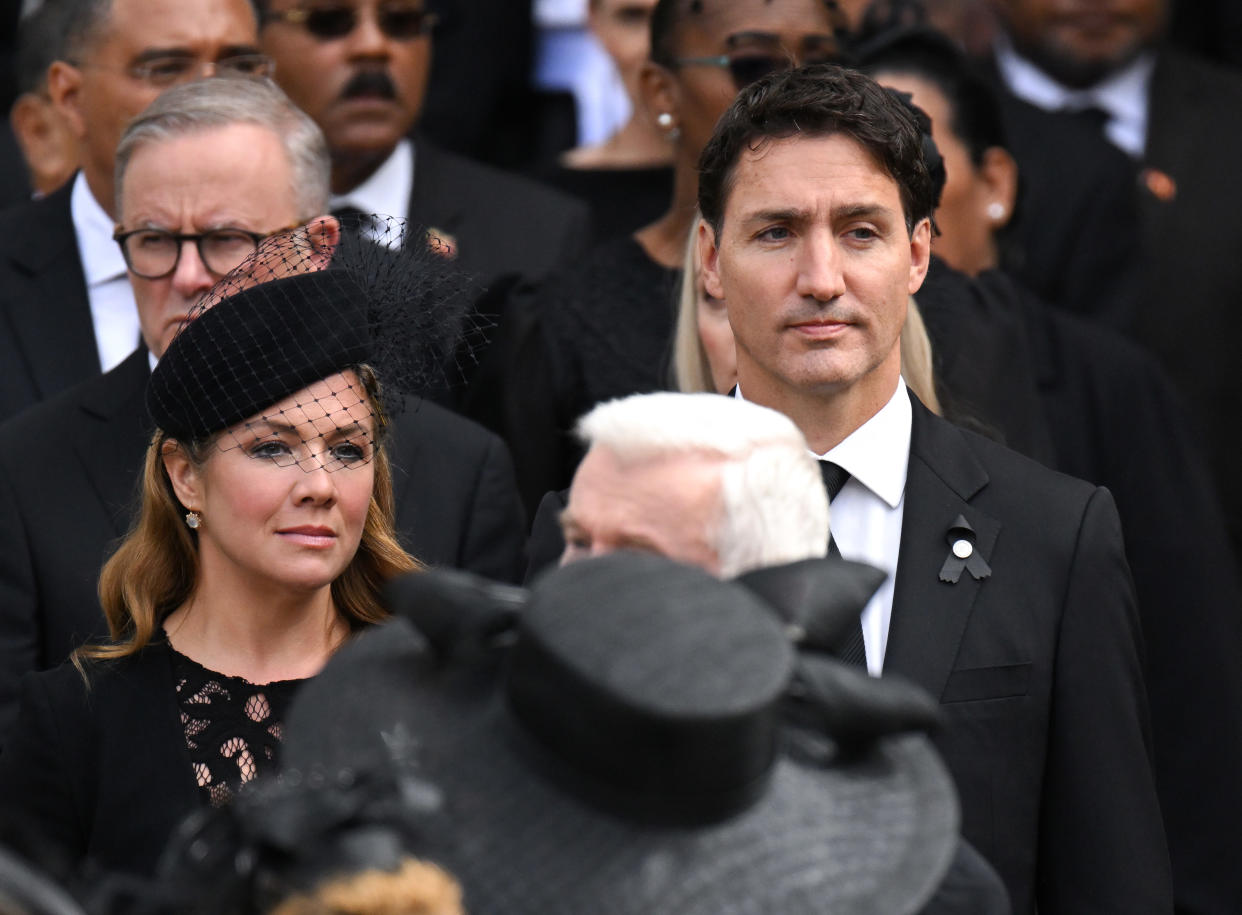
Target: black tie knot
x: 834, y: 477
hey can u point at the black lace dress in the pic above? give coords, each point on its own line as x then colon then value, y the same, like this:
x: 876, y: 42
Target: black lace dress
x: 233, y: 728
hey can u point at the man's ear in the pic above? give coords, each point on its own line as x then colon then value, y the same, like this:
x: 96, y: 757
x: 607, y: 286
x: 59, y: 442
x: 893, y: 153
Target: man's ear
x: 709, y: 260
x: 920, y: 254
x: 64, y: 88
x: 186, y: 480
x: 324, y: 235
x: 658, y: 95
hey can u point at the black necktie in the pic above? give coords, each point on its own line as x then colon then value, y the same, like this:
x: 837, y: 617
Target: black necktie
x: 851, y: 649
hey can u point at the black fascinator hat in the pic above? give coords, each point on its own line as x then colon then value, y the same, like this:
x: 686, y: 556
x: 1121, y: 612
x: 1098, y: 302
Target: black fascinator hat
x: 318, y: 300
x: 631, y: 737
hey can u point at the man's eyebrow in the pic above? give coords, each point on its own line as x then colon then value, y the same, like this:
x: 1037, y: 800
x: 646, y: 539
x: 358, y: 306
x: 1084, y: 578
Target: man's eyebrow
x: 162, y: 54
x: 863, y: 211
x: 165, y: 53
x: 783, y: 214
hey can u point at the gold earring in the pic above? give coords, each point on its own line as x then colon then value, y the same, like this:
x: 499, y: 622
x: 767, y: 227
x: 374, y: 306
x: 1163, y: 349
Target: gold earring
x: 193, y: 520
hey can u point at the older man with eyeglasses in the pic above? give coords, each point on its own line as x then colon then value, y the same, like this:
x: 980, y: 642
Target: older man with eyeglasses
x: 360, y: 68
x: 66, y: 309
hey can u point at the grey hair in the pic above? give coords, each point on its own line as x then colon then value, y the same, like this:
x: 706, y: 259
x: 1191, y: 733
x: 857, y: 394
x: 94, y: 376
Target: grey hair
x: 773, y: 505
x: 208, y: 104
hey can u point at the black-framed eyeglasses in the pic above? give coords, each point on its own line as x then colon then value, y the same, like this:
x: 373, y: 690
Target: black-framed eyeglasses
x: 747, y: 67
x: 154, y: 253
x: 398, y: 21
x: 179, y: 68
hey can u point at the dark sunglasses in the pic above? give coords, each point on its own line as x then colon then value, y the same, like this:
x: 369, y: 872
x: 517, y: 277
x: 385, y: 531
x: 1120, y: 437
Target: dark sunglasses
x: 400, y: 22
x: 746, y: 68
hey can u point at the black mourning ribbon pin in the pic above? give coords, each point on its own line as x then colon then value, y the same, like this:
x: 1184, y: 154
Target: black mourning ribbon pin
x: 963, y: 554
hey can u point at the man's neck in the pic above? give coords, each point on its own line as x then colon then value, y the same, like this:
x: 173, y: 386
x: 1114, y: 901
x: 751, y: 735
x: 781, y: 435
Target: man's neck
x: 825, y: 418
x: 351, y: 169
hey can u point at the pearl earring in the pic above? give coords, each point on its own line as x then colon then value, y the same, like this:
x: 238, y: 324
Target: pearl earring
x: 193, y: 520
x: 996, y: 211
x: 665, y: 120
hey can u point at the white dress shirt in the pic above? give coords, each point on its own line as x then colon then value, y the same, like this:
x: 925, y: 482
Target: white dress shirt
x: 113, y: 312
x: 387, y: 191
x: 867, y: 514
x: 1121, y: 95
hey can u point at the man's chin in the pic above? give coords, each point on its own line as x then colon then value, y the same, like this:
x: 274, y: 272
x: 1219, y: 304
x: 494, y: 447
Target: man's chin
x: 1080, y: 61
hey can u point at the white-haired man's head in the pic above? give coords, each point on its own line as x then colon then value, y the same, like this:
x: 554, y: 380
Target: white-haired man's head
x: 714, y: 481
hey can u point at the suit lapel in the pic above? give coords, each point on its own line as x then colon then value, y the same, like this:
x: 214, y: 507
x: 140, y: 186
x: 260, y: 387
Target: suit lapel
x: 433, y: 202
x: 48, y: 303
x: 113, y: 434
x: 930, y: 616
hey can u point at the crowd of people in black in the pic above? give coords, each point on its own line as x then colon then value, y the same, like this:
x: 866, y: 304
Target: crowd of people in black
x: 324, y: 342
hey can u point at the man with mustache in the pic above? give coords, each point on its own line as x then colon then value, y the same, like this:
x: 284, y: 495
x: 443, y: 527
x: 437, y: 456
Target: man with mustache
x: 221, y: 163
x: 1009, y: 598
x: 360, y: 68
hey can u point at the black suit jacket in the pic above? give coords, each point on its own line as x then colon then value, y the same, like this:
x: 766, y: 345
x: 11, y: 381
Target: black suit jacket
x: 1038, y: 669
x: 503, y: 225
x: 47, y: 338
x: 1191, y: 309
x: 68, y: 486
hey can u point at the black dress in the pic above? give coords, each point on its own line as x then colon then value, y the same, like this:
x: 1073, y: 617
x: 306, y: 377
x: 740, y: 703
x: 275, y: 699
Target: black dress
x: 98, y: 777
x: 601, y: 329
x: 622, y: 200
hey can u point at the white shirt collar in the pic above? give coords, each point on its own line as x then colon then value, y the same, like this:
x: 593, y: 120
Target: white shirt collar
x: 1123, y: 94
x: 877, y: 453
x: 387, y: 191
x: 101, y: 256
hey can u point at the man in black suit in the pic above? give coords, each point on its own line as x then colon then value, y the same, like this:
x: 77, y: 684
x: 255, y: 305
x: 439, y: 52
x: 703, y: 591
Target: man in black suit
x: 68, y: 474
x: 1010, y: 599
x: 360, y: 70
x: 66, y: 310
x: 1171, y: 113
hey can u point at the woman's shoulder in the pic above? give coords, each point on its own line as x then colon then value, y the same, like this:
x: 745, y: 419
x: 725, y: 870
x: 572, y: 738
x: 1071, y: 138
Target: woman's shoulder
x: 92, y: 679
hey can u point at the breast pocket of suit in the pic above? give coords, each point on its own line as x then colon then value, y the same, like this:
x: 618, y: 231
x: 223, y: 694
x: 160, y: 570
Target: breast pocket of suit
x: 977, y: 684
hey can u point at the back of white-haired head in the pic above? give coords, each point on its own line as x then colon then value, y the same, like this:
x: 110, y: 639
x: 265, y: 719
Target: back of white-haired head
x: 773, y: 505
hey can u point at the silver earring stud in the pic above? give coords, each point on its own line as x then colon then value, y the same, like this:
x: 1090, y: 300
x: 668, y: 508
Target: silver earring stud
x: 665, y: 120
x: 193, y: 520
x: 996, y: 210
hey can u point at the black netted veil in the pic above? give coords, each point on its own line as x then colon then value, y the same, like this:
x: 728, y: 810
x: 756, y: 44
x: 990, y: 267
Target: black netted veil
x: 306, y: 311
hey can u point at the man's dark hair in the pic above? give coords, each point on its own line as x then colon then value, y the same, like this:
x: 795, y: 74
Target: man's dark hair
x: 813, y: 102
x: 83, y: 22
x: 41, y: 35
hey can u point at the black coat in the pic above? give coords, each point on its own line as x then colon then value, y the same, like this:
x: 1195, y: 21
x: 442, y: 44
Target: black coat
x: 68, y: 486
x: 502, y: 224
x: 100, y: 773
x: 47, y: 338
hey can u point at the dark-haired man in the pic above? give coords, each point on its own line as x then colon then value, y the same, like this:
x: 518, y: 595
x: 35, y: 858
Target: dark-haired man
x: 360, y: 69
x: 1010, y: 598
x: 66, y: 310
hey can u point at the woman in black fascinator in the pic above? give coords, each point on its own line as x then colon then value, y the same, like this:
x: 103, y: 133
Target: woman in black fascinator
x: 264, y: 536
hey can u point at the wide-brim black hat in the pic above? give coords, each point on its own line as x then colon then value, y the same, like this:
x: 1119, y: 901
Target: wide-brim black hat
x: 630, y: 751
